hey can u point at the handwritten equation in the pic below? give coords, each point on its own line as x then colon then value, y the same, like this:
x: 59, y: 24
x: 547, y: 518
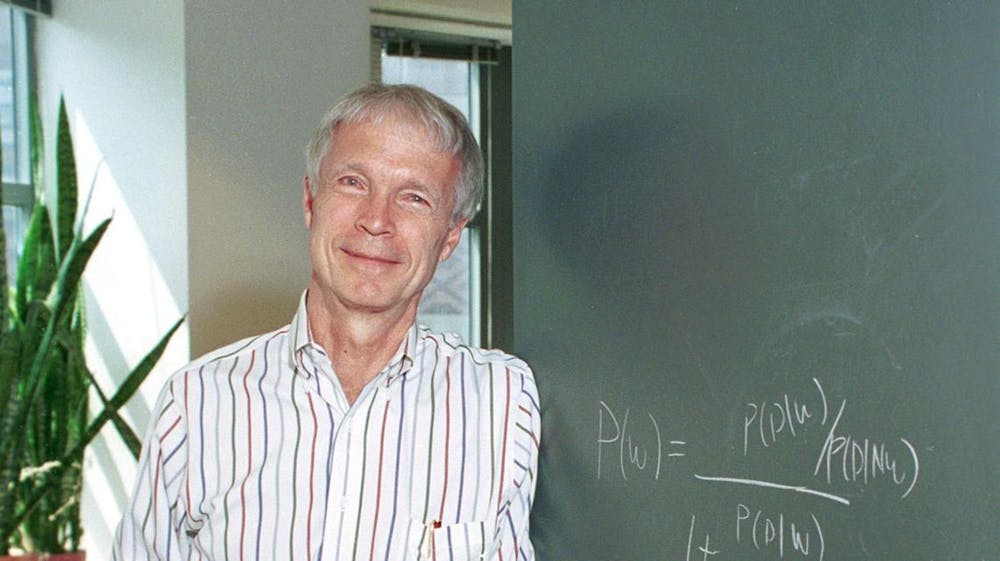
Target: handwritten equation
x: 765, y: 532
x: 846, y: 457
x: 617, y: 439
x: 632, y: 446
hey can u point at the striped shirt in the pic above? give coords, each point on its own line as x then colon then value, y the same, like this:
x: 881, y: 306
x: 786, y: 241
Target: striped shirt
x: 255, y: 454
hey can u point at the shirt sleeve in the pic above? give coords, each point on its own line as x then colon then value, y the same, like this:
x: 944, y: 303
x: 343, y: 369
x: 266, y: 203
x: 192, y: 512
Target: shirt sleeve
x: 513, y: 521
x: 152, y: 527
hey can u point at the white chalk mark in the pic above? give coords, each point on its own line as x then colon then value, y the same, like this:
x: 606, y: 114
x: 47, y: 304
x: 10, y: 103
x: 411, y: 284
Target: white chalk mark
x: 822, y: 396
x: 822, y: 542
x: 758, y: 483
x: 690, y: 539
x: 916, y: 466
x: 659, y: 444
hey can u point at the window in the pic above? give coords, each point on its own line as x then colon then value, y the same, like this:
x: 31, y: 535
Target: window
x: 451, y: 301
x: 18, y: 193
x: 469, y: 294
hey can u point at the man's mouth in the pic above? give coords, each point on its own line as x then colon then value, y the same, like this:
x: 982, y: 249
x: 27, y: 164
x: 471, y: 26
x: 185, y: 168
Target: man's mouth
x: 371, y: 257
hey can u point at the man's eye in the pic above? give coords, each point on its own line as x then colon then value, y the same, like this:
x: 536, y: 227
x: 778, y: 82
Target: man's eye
x: 350, y: 182
x: 415, y: 198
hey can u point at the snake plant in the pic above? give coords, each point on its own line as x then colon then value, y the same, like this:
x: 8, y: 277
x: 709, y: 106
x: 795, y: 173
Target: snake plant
x: 45, y: 384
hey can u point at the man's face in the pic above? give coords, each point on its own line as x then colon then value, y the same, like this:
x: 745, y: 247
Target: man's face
x: 380, y: 219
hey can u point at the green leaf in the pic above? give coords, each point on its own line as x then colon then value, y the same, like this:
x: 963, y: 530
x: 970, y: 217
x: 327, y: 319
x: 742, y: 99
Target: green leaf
x: 61, y: 296
x: 126, y: 390
x: 36, y: 148
x: 10, y: 357
x: 36, y: 270
x: 4, y: 292
x: 12, y: 431
x: 67, y: 187
x: 63, y: 292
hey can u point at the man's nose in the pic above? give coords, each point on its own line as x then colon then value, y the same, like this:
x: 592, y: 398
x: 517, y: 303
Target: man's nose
x: 375, y: 215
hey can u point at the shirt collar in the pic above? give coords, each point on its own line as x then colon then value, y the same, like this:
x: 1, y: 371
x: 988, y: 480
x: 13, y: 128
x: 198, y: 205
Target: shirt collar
x: 304, y: 345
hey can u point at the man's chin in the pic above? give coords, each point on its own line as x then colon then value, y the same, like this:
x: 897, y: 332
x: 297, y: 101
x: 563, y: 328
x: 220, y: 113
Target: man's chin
x: 375, y: 303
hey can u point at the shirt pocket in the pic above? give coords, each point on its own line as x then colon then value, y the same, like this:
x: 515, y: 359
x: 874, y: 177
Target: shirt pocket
x: 449, y: 542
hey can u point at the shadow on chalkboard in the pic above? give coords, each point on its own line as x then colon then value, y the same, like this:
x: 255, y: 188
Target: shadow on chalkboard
x: 652, y: 174
x: 647, y: 204
x: 635, y: 207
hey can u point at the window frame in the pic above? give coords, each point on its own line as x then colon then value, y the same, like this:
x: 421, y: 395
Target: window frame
x: 23, y: 83
x: 495, y: 218
x: 19, y: 192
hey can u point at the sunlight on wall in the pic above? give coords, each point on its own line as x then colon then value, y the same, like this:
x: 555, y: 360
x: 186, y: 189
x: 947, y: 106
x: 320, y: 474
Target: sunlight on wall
x: 129, y: 308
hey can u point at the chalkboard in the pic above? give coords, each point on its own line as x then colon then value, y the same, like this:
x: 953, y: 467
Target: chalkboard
x: 757, y: 273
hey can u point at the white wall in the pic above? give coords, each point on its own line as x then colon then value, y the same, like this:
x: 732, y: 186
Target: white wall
x: 192, y: 117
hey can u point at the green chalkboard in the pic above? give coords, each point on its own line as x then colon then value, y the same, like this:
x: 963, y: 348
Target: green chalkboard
x: 757, y: 273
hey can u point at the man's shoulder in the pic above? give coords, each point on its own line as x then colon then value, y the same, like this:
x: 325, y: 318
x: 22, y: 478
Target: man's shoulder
x: 450, y: 344
x: 238, y: 351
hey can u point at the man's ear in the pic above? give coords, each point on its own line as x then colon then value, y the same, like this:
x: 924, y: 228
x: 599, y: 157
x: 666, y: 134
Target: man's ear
x: 307, y: 201
x: 451, y: 239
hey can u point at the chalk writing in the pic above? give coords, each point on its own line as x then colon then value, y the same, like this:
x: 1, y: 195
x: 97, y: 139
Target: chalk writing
x: 772, y: 485
x: 770, y: 533
x: 630, y: 444
x: 778, y: 533
x: 862, y: 460
x: 842, y: 456
x: 704, y: 550
x: 632, y: 454
x: 767, y: 421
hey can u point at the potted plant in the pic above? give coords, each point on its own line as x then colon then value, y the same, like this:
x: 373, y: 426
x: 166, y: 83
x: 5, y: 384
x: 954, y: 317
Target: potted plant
x: 45, y: 385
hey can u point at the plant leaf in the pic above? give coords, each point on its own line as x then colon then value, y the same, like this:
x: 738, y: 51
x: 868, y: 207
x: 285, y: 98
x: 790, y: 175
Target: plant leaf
x: 126, y: 390
x: 5, y: 296
x: 63, y: 292
x: 36, y: 269
x: 61, y: 296
x: 67, y: 187
x: 37, y: 146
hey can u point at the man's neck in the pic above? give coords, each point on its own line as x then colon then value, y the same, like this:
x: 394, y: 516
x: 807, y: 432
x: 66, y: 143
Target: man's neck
x: 359, y: 343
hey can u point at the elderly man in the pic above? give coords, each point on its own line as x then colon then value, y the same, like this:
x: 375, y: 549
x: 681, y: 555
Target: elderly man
x: 352, y: 433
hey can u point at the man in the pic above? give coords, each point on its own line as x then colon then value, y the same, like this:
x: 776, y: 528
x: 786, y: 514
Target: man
x: 352, y: 433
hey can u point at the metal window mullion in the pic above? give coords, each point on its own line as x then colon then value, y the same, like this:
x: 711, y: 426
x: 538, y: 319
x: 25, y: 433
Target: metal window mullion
x: 23, y: 84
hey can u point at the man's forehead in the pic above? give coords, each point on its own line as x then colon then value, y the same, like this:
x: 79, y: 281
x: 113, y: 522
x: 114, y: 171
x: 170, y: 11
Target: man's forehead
x: 409, y: 124
x: 409, y: 129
